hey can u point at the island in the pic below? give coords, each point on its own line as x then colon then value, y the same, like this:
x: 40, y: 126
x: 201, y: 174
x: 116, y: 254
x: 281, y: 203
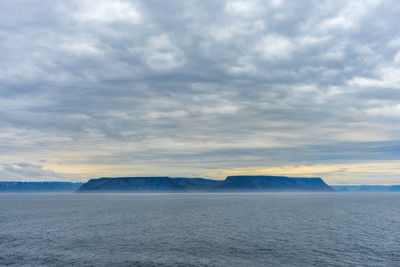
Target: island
x: 38, y: 186
x: 367, y: 188
x: 244, y: 183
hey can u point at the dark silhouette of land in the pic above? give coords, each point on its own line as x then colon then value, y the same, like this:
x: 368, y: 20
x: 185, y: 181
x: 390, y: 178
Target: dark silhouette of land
x: 244, y: 183
x: 230, y: 184
x: 367, y: 188
x: 38, y: 186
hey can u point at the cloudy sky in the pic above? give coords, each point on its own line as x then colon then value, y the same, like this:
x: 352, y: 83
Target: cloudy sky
x: 92, y: 88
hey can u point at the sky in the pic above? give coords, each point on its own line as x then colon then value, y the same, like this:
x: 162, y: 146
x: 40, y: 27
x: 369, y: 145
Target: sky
x: 194, y: 88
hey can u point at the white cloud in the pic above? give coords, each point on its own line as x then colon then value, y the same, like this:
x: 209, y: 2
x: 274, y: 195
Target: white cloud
x: 243, y: 8
x: 23, y: 171
x: 350, y: 16
x: 396, y: 58
x: 394, y: 43
x: 276, y: 3
x: 275, y: 47
x: 81, y: 48
x: 306, y: 88
x: 105, y: 11
x: 223, y: 109
x: 386, y: 111
x: 310, y: 40
x: 387, y: 77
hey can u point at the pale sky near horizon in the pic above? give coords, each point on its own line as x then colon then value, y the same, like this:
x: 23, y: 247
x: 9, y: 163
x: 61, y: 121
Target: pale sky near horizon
x: 93, y: 88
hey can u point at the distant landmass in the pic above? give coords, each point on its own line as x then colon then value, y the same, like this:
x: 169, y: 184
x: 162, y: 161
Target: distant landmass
x: 230, y: 184
x: 182, y: 184
x: 38, y: 186
x: 144, y: 184
x: 367, y: 188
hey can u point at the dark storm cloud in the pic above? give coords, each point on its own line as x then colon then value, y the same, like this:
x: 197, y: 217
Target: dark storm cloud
x: 233, y: 81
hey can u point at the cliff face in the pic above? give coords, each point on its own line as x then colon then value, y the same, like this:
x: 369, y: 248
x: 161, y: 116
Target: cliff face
x: 272, y: 183
x: 38, y: 186
x: 230, y: 184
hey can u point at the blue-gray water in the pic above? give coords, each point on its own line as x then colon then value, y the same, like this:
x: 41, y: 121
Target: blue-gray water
x: 329, y: 229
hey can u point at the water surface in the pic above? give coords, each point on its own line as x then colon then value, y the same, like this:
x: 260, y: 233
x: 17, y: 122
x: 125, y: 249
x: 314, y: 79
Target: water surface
x: 286, y: 229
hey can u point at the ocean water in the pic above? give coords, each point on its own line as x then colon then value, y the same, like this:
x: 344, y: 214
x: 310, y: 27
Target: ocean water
x: 275, y: 229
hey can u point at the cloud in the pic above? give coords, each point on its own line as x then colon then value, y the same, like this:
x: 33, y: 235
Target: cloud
x: 22, y: 171
x: 242, y: 8
x: 197, y: 87
x: 364, y: 173
x: 340, y: 17
x: 388, y: 77
x: 274, y: 47
x: 389, y: 111
x: 162, y: 55
x: 80, y: 48
x: 90, y: 11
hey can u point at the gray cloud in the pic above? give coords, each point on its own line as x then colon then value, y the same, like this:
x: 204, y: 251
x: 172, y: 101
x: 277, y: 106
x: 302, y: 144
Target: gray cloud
x: 225, y: 83
x: 22, y: 171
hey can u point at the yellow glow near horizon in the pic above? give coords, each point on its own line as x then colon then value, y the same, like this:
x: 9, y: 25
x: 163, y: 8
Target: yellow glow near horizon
x: 369, y: 172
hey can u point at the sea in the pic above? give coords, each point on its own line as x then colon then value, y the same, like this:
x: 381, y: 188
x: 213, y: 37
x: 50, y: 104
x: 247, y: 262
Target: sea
x: 260, y: 229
